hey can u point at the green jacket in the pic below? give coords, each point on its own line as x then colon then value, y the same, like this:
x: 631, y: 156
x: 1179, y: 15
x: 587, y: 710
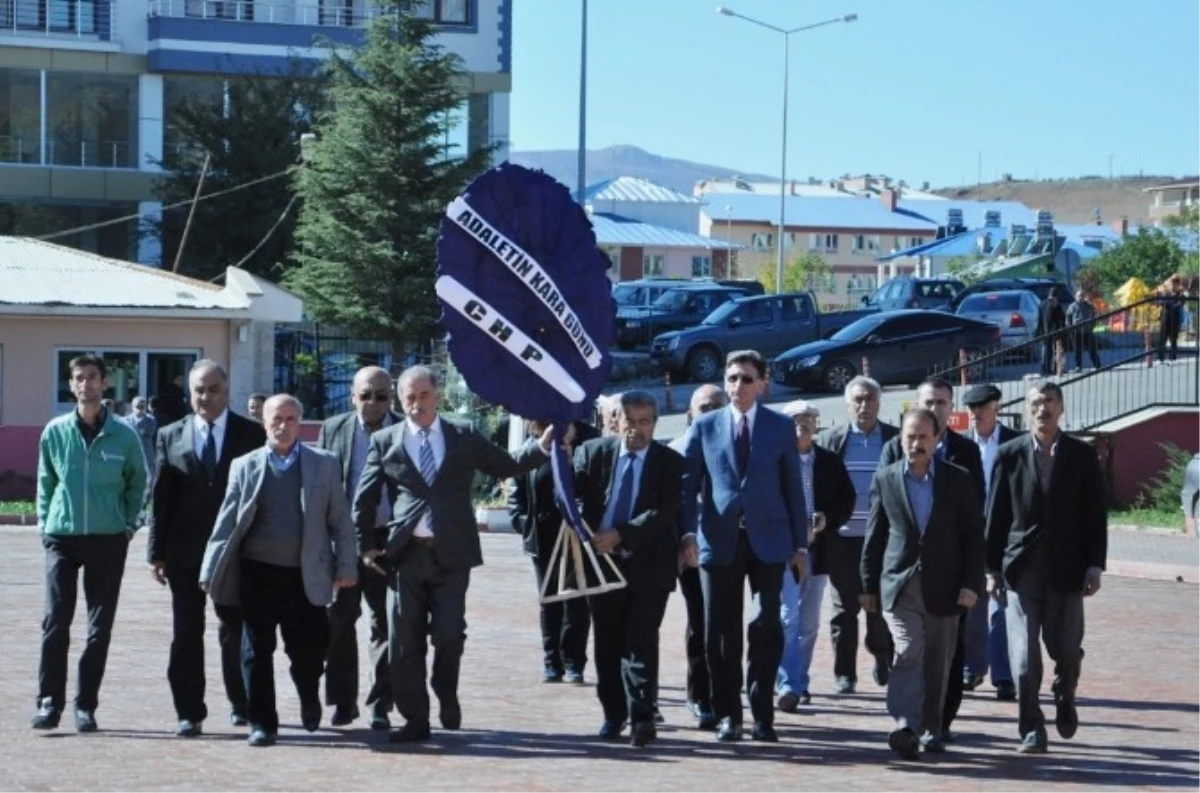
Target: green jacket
x: 89, y: 490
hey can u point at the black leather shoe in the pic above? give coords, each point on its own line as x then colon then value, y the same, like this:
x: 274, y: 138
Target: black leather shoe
x: 610, y: 731
x: 805, y: 698
x: 947, y: 736
x: 904, y: 743
x: 728, y: 730
x: 238, y: 718
x: 971, y: 681
x: 642, y: 733
x: 380, y: 723
x: 47, y: 717
x: 933, y: 744
x: 450, y: 715
x: 310, y: 716
x: 343, y: 715
x: 411, y: 732
x: 844, y: 685
x: 761, y: 731
x: 85, y: 721
x: 189, y: 729
x: 1006, y: 691
x: 260, y: 737
x: 1066, y: 718
x: 658, y: 717
x: 788, y: 702
x: 882, y: 672
x: 706, y: 720
x: 1034, y: 742
x: 574, y: 677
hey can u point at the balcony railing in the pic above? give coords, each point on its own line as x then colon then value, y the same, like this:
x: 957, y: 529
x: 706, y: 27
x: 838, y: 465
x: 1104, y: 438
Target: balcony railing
x: 82, y: 19
x: 91, y: 153
x: 319, y: 14
x: 17, y: 148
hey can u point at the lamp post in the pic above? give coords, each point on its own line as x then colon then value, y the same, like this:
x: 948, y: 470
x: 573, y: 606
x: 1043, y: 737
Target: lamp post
x: 729, y: 239
x: 787, y: 37
x: 580, y: 185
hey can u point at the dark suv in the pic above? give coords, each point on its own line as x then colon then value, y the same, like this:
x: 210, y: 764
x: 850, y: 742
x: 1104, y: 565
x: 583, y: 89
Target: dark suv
x: 682, y: 306
x: 910, y: 292
x: 1039, y: 286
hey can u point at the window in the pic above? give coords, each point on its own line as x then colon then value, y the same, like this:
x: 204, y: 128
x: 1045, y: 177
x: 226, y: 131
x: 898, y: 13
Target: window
x: 20, y: 114
x: 131, y: 372
x: 92, y: 119
x: 794, y: 308
x: 865, y: 242
x: 758, y: 312
x: 823, y: 242
x: 653, y: 263
x: 701, y: 267
x: 444, y: 12
x: 762, y: 240
x: 915, y: 241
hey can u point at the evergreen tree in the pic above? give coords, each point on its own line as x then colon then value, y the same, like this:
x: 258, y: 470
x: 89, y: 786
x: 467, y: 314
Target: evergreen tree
x: 376, y: 181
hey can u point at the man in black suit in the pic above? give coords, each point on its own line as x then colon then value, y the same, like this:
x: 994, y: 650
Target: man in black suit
x: 425, y: 467
x: 922, y: 564
x: 192, y: 458
x: 348, y: 436
x: 1047, y: 543
x: 1051, y: 320
x: 936, y: 395
x: 629, y: 488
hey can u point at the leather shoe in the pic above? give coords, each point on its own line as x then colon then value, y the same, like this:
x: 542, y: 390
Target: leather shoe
x: 1006, y: 691
x: 1066, y: 718
x: 971, y: 681
x: 642, y: 733
x: 343, y: 715
x: 1034, y: 742
x: 450, y: 715
x: 706, y: 720
x: 310, y: 716
x: 904, y: 743
x: 552, y: 676
x: 788, y: 702
x: 728, y: 730
x: 47, y: 717
x: 85, y: 721
x: 947, y: 736
x: 805, y: 698
x: 658, y: 717
x: 761, y: 731
x: 844, y: 685
x: 238, y: 718
x: 260, y: 737
x: 932, y: 744
x: 189, y: 729
x: 574, y: 677
x: 610, y: 730
x: 380, y: 723
x: 881, y: 672
x: 411, y: 732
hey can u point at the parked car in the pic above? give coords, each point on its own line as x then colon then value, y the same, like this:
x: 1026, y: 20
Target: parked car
x: 1038, y: 286
x: 681, y: 306
x: 644, y: 291
x: 910, y: 292
x: 902, y: 347
x: 769, y: 324
x: 1015, y: 311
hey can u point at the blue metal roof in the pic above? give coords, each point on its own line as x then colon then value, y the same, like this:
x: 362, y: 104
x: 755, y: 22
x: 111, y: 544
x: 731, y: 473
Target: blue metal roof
x: 814, y: 212
x: 621, y: 231
x: 966, y: 243
x: 973, y: 212
x: 632, y: 188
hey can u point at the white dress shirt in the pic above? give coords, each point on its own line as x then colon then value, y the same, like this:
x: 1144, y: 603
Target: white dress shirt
x: 989, y: 447
x: 737, y: 419
x: 412, y: 445
x: 201, y: 433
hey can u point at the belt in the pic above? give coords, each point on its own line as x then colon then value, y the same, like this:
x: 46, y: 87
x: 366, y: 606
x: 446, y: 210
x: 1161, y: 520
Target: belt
x: 742, y: 522
x: 424, y: 542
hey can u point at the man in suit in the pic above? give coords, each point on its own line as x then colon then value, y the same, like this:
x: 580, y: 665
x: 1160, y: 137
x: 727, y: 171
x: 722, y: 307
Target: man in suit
x: 937, y: 396
x: 1047, y: 543
x: 986, y: 645
x: 348, y: 437
x: 705, y: 399
x: 282, y: 545
x: 859, y: 444
x: 192, y: 461
x: 424, y: 466
x: 922, y: 564
x: 629, y: 487
x: 829, y: 499
x: 1051, y: 319
x: 146, y: 428
x: 741, y: 463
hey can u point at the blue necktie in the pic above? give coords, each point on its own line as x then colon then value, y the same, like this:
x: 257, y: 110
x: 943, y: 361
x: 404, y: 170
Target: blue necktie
x: 208, y: 457
x: 623, y: 508
x: 428, y: 466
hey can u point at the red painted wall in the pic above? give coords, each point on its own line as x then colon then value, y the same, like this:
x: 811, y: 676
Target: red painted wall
x: 1137, y: 457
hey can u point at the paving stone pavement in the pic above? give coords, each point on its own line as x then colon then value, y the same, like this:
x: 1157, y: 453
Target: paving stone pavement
x: 1138, y: 708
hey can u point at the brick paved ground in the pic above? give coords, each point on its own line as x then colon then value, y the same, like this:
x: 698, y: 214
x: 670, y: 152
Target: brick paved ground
x: 1138, y: 708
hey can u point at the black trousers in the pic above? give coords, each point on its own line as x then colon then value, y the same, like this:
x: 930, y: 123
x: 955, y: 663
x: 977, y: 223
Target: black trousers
x: 843, y: 556
x: 954, y: 686
x: 1049, y: 358
x: 1085, y: 339
x: 341, y: 661
x: 425, y: 600
x: 102, y: 557
x: 724, y: 587
x: 1168, y: 334
x: 273, y: 597
x: 185, y: 668
x: 565, y: 627
x: 626, y: 648
x: 699, y: 688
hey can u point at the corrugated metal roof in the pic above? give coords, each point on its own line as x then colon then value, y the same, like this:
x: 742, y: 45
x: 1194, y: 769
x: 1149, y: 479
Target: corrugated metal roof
x: 632, y: 188
x: 966, y: 243
x: 619, y: 231
x: 973, y: 212
x: 37, y: 273
x: 815, y: 212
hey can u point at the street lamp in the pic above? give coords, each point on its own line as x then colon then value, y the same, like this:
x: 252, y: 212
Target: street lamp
x: 729, y: 239
x: 787, y: 36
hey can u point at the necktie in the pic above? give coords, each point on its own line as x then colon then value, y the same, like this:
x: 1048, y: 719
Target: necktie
x: 742, y: 444
x: 623, y: 507
x: 428, y: 466
x: 208, y: 457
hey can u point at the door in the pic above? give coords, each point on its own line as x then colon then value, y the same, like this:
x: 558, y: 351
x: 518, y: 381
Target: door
x: 797, y: 325
x: 166, y: 378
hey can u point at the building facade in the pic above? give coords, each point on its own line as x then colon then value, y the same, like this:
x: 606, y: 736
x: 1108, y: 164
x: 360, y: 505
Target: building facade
x: 88, y: 87
x: 1172, y: 198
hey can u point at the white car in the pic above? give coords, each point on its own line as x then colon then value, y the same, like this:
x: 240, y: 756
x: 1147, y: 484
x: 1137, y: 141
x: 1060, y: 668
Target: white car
x: 1014, y: 311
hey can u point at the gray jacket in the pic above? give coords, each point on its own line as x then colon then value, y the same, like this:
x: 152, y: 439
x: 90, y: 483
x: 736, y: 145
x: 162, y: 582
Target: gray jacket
x: 328, y: 547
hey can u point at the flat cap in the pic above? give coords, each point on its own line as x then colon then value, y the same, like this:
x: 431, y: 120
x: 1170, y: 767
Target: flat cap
x: 801, y: 408
x: 981, y: 395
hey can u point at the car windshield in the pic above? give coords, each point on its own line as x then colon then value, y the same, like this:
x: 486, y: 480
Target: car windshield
x: 627, y: 295
x: 720, y: 313
x: 672, y: 300
x: 997, y: 301
x: 859, y: 328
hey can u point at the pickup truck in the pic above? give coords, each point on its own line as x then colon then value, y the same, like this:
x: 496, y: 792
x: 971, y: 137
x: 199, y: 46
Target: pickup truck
x: 681, y: 306
x: 769, y: 324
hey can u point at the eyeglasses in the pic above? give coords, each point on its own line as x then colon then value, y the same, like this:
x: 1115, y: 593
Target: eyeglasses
x: 377, y: 396
x: 746, y: 379
x: 707, y: 407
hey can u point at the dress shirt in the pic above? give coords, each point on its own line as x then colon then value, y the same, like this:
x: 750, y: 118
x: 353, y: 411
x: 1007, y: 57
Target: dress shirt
x: 989, y: 447
x: 736, y: 415
x: 201, y: 433
x: 412, y: 445
x: 281, y: 464
x: 920, y: 495
x: 358, y: 458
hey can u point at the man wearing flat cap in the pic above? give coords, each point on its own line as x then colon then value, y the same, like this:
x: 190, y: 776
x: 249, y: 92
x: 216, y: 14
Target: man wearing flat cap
x: 829, y: 501
x: 986, y: 636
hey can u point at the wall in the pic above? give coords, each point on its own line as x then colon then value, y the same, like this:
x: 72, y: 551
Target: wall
x: 1137, y: 457
x: 684, y: 217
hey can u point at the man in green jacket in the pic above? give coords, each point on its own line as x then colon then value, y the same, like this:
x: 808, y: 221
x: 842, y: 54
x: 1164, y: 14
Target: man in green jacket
x: 91, y: 485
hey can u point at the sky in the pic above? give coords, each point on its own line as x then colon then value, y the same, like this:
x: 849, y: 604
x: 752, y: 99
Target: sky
x: 945, y: 91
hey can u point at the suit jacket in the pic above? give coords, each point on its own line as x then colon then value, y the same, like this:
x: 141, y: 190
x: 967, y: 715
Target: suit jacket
x: 1005, y: 434
x: 531, y: 506
x: 769, y: 495
x: 962, y: 452
x: 1051, y: 316
x: 327, y: 549
x: 337, y: 436
x: 950, y: 554
x: 1072, y: 518
x: 833, y: 494
x: 651, y: 535
x: 834, y: 438
x: 448, y: 499
x: 185, y: 502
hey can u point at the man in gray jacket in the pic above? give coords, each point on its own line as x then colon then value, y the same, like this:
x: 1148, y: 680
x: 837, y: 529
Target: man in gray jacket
x: 282, y: 545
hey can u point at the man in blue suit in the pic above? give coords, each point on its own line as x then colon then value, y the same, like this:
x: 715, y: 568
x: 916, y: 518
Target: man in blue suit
x: 742, y: 465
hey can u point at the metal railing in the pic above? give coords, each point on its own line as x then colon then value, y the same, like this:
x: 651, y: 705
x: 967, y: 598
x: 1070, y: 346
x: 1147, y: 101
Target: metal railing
x: 83, y: 19
x: 91, y: 153
x: 324, y: 14
x: 18, y: 148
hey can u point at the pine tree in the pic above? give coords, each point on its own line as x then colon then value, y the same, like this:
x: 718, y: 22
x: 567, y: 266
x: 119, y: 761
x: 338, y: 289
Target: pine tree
x: 376, y: 181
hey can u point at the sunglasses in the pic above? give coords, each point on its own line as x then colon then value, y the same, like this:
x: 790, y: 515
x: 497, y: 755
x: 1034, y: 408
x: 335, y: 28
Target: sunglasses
x: 707, y: 407
x: 746, y: 379
x: 377, y: 396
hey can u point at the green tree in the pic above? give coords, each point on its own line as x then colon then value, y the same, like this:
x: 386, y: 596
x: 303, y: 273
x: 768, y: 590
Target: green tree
x: 807, y: 271
x: 960, y: 267
x: 1149, y: 255
x: 249, y: 128
x: 377, y: 180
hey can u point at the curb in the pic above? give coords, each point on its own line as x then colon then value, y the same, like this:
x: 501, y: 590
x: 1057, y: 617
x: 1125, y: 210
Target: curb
x: 18, y: 520
x: 1181, y: 574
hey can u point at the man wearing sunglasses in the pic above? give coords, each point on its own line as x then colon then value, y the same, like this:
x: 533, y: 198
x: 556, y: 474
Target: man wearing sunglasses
x: 348, y: 436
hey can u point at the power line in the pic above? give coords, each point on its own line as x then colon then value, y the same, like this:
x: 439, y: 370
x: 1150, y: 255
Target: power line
x: 263, y: 241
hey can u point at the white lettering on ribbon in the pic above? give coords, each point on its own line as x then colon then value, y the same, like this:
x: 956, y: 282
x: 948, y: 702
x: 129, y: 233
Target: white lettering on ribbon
x: 530, y: 273
x: 508, y: 336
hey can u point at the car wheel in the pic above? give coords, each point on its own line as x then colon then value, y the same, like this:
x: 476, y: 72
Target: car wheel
x: 704, y: 365
x: 837, y: 375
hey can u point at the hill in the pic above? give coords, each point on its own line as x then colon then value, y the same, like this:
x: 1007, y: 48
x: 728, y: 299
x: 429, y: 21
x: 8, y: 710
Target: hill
x: 1071, y: 200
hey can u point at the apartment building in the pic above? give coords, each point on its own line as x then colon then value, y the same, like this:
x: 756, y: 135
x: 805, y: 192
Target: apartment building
x: 88, y: 87
x: 1170, y: 199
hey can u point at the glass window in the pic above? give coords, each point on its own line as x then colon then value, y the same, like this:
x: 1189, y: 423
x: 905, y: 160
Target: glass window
x: 92, y: 119
x: 757, y: 312
x: 20, y: 115
x: 33, y: 218
x: 701, y: 267
x: 179, y: 92
x: 130, y: 373
x: 445, y: 12
x: 653, y: 263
